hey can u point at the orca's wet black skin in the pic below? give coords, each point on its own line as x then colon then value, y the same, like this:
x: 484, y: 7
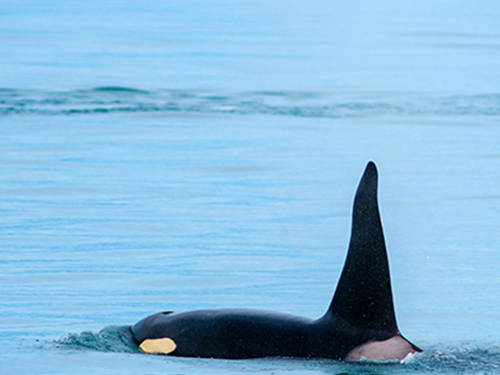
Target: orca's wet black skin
x: 359, y: 323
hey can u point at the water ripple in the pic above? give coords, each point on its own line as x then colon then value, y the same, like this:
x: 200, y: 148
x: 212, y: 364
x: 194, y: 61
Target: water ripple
x: 277, y: 103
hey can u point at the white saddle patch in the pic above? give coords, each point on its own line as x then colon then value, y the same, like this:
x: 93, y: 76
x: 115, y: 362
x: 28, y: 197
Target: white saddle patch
x: 395, y: 348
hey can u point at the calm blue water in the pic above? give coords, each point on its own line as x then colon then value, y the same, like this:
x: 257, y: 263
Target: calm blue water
x: 204, y: 154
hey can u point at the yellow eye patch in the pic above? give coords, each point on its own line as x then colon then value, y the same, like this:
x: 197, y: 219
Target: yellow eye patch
x: 158, y: 346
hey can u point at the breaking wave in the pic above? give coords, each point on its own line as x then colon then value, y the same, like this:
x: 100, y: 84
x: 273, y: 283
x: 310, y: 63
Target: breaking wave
x: 110, y: 339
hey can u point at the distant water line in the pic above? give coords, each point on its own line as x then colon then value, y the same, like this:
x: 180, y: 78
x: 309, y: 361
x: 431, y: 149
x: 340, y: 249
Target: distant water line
x: 100, y: 100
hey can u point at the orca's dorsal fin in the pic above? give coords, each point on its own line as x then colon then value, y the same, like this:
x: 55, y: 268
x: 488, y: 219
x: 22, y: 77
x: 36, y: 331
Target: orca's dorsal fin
x: 364, y: 295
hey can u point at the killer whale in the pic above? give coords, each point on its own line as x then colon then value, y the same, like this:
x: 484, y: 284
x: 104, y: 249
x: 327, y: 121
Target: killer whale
x: 359, y: 323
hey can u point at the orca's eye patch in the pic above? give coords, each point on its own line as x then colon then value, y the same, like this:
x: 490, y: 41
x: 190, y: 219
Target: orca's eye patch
x: 158, y: 346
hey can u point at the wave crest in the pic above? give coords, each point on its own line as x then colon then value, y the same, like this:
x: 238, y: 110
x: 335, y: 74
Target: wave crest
x: 109, y: 339
x: 117, y: 99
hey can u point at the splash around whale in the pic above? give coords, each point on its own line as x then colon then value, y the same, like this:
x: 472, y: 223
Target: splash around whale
x: 360, y: 322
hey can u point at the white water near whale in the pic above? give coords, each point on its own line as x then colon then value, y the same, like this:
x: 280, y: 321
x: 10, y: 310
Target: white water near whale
x: 173, y: 157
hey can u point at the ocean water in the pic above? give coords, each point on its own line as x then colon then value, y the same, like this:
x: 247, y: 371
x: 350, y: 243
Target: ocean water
x: 204, y: 154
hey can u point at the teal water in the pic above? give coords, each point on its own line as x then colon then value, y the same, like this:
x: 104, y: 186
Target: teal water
x: 188, y: 155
